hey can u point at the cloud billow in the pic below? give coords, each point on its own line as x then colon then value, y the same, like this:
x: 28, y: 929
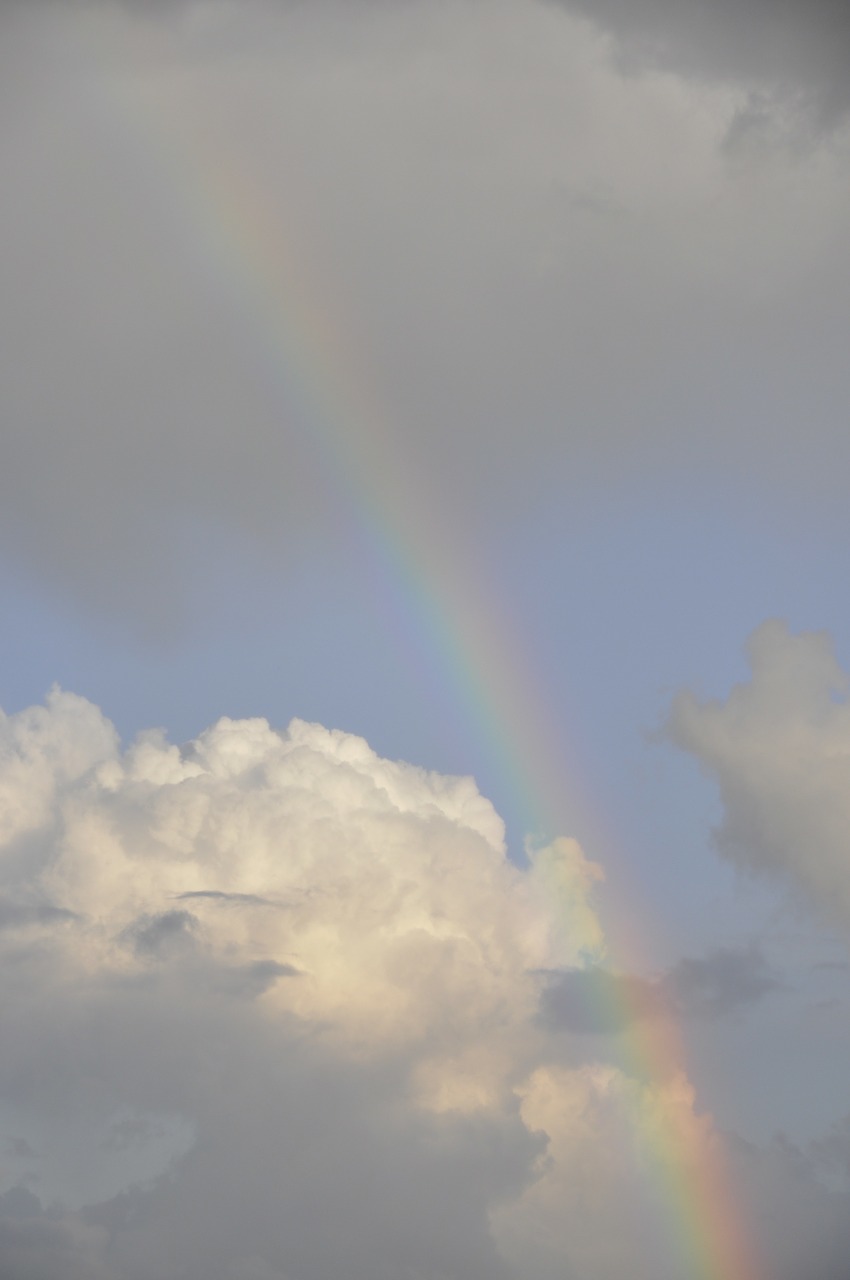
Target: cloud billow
x: 800, y: 50
x: 275, y: 1011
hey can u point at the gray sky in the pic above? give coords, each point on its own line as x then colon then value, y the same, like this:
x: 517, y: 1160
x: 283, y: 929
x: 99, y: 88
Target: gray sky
x: 603, y: 225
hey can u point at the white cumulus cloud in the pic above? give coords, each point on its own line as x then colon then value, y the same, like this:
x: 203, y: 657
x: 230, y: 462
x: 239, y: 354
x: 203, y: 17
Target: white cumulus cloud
x: 266, y: 1002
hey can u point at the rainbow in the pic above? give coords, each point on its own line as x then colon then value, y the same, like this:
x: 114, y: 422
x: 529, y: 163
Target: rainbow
x: 430, y: 575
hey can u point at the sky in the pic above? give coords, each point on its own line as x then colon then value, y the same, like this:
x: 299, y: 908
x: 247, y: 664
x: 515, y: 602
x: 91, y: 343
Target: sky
x: 425, y: 748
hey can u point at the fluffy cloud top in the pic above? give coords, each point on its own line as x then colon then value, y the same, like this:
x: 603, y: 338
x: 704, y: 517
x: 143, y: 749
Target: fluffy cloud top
x: 779, y: 748
x: 268, y: 1006
x: 383, y: 890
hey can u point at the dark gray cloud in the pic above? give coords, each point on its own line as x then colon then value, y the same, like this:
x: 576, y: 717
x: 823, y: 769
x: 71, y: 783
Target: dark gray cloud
x: 19, y: 1202
x: 810, y: 1237
x: 800, y: 48
x: 20, y: 915
x: 249, y: 981
x: 724, y: 981
x: 36, y: 1245
x: 173, y: 935
x: 155, y: 935
x: 834, y: 1147
x: 233, y: 899
x: 596, y: 1001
